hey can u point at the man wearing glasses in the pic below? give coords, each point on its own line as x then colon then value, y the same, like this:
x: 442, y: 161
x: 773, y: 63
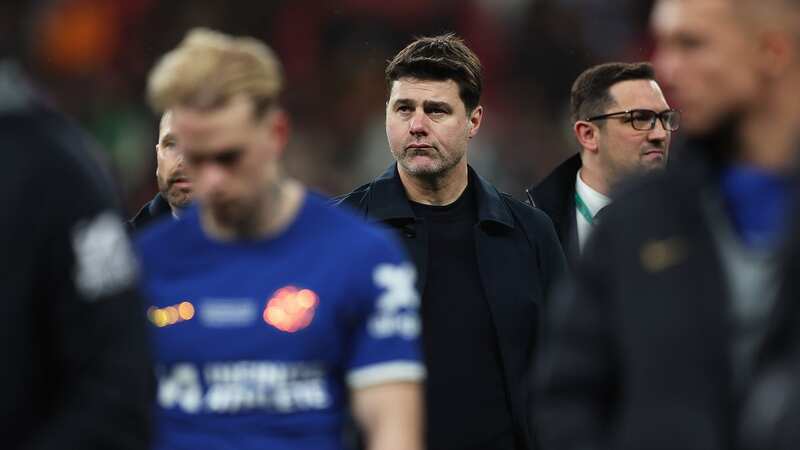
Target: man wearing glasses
x: 623, y: 125
x: 679, y: 329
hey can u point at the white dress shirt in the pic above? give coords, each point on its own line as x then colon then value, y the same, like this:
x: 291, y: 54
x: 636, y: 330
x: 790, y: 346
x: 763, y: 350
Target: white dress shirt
x: 594, y: 201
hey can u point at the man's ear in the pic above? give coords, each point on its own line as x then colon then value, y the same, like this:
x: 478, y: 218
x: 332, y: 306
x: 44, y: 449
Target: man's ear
x: 778, y: 50
x: 475, y: 118
x: 278, y: 128
x: 587, y: 135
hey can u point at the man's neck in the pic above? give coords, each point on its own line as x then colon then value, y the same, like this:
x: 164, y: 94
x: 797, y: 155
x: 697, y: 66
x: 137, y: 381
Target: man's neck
x: 769, y: 136
x: 277, y: 209
x: 437, y: 191
x: 594, y: 180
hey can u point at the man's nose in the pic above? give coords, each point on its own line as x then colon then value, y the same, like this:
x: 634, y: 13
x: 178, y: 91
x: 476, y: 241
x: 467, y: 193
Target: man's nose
x: 418, y: 123
x: 180, y: 159
x: 212, y: 177
x: 658, y: 133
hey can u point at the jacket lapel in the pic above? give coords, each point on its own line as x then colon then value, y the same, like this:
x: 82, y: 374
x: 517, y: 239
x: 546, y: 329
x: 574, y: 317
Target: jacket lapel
x: 555, y: 195
x: 502, y: 264
x: 387, y: 203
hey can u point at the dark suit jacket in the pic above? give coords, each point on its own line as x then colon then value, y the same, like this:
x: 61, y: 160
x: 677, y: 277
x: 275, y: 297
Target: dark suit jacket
x: 519, y: 260
x: 154, y: 209
x: 770, y: 416
x: 638, y: 350
x: 555, y: 195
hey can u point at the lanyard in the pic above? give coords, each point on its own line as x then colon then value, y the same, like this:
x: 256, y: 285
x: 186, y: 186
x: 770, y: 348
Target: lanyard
x: 583, y: 209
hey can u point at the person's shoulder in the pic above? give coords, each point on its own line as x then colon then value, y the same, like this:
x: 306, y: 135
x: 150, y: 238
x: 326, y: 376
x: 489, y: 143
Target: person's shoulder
x: 562, y: 179
x: 344, y: 220
x: 156, y: 208
x: 346, y: 229
x: 37, y: 139
x: 162, y: 235
x: 663, y: 184
x: 525, y: 212
x: 353, y: 198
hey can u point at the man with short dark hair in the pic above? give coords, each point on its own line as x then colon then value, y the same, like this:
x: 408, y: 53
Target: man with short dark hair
x: 683, y: 300
x: 486, y: 262
x: 623, y: 126
x: 174, y: 186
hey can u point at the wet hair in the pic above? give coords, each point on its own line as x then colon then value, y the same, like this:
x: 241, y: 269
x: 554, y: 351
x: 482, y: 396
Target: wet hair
x: 440, y: 58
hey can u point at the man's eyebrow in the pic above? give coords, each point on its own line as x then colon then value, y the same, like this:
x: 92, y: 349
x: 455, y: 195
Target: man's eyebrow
x: 403, y: 101
x: 168, y: 137
x: 435, y: 104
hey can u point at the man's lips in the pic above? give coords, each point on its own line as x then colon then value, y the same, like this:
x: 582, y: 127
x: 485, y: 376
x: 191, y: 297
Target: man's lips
x: 654, y: 152
x: 181, y: 183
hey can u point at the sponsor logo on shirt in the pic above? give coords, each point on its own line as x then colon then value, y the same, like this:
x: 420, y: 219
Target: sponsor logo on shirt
x: 396, y: 307
x: 239, y: 386
x: 227, y: 312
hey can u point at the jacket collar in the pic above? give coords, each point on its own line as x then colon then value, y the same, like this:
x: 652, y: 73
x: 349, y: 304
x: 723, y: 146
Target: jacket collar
x: 554, y: 194
x: 158, y: 206
x: 388, y: 201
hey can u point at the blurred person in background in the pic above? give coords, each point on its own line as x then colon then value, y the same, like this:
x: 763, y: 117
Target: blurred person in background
x: 623, y: 126
x: 660, y: 339
x: 76, y: 371
x: 696, y: 61
x: 174, y: 186
x: 272, y: 311
x: 486, y: 261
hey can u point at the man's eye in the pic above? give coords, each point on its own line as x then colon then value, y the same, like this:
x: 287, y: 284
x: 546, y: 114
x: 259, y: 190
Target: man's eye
x: 691, y: 42
x: 227, y: 159
x: 403, y: 109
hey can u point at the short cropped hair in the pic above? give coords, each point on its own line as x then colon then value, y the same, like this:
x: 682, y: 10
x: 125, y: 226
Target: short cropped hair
x: 209, y: 67
x: 781, y: 14
x: 591, y: 92
x: 440, y: 58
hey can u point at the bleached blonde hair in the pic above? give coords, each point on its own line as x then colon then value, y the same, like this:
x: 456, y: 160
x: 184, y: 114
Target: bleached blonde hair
x: 208, y: 68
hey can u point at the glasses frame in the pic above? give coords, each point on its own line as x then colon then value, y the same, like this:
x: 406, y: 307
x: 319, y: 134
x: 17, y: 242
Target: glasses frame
x: 629, y: 112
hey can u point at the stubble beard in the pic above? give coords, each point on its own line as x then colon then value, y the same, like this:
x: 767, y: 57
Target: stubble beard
x: 440, y: 167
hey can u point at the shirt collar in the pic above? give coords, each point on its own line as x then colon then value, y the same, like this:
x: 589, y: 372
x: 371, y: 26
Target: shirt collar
x: 594, y: 200
x: 389, y: 202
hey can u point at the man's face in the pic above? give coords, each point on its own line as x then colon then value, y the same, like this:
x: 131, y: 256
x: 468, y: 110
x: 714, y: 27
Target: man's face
x: 173, y: 183
x: 622, y: 150
x: 704, y: 60
x: 428, y: 126
x: 231, y: 158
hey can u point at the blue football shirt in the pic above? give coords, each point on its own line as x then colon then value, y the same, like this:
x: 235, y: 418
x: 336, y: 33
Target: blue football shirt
x: 257, y: 342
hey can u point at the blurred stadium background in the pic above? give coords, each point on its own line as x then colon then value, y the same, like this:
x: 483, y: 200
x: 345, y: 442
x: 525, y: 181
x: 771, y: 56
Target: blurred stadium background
x: 91, y: 57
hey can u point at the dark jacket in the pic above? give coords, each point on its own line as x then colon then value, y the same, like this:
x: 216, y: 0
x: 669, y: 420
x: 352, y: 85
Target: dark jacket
x: 770, y: 416
x: 76, y: 369
x: 519, y: 260
x: 555, y: 195
x: 154, y: 209
x: 638, y: 349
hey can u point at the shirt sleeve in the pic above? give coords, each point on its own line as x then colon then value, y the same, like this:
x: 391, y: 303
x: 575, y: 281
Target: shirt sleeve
x: 385, y: 344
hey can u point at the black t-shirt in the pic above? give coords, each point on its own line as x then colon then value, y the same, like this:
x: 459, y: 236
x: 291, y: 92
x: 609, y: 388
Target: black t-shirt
x: 466, y: 401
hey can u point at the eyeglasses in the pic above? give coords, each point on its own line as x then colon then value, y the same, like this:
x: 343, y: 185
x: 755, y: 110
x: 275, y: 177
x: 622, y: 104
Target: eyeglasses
x: 645, y: 119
